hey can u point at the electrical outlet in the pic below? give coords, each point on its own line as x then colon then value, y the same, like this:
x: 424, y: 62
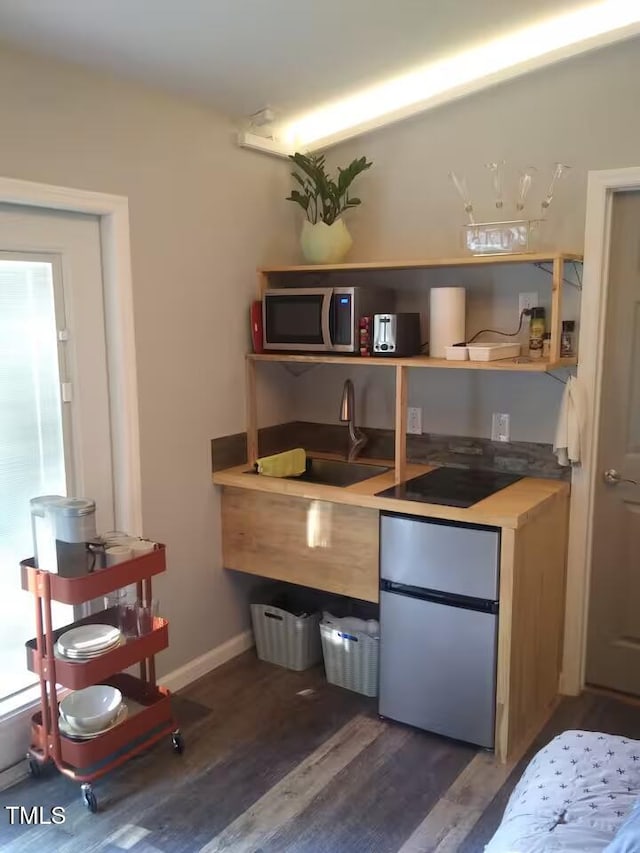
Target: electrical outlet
x: 500, y: 426
x: 526, y: 301
x: 414, y: 420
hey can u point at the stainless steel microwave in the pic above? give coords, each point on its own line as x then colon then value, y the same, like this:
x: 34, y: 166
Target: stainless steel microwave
x: 319, y: 319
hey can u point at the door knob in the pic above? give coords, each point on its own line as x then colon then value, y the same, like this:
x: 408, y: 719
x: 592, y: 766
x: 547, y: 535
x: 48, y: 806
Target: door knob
x: 613, y: 478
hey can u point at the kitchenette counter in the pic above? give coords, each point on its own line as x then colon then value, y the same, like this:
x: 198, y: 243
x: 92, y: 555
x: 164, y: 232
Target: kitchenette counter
x: 328, y: 538
x: 511, y: 508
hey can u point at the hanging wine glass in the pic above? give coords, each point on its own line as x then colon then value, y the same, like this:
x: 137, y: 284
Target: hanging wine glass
x: 460, y: 183
x: 524, y: 186
x: 497, y: 181
x: 559, y: 170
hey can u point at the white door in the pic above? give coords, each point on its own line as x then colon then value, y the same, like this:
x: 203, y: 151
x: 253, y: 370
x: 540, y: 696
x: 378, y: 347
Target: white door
x: 54, y: 412
x: 613, y: 650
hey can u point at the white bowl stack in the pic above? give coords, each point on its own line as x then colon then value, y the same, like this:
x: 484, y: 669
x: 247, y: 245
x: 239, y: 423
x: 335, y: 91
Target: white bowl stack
x: 92, y: 711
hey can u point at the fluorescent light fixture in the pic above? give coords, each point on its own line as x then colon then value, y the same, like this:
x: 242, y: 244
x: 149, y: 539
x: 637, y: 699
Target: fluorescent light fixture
x: 265, y: 144
x: 491, y: 62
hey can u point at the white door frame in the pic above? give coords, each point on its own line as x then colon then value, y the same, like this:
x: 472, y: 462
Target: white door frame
x: 600, y: 191
x: 113, y: 213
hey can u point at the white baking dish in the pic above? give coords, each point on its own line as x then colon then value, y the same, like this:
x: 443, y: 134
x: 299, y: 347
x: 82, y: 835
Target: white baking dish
x: 456, y: 353
x: 492, y: 351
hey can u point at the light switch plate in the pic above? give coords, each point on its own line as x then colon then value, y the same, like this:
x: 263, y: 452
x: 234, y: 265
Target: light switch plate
x: 414, y: 420
x: 500, y: 427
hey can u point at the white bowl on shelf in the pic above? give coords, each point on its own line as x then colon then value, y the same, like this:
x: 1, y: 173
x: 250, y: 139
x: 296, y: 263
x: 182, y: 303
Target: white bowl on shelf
x: 92, y: 708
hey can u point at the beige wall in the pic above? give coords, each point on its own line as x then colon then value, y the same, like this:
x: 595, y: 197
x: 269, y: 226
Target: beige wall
x: 585, y: 113
x: 203, y: 215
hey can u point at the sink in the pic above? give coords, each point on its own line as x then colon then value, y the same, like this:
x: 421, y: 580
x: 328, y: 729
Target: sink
x: 332, y: 472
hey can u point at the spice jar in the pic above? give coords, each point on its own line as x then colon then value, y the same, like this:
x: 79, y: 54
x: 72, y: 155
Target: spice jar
x: 536, y: 332
x: 546, y: 345
x: 568, y: 339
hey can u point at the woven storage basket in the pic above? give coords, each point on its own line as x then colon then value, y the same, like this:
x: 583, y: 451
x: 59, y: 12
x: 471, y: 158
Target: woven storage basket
x: 284, y: 639
x: 350, y: 658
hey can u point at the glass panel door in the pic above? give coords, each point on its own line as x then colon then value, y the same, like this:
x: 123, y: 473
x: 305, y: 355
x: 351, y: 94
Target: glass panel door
x: 32, y: 446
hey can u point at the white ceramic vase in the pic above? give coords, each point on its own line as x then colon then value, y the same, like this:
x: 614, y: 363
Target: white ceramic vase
x: 325, y: 244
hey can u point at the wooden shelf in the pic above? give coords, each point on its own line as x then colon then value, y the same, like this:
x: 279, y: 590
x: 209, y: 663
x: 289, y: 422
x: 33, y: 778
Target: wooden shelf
x: 504, y: 364
x: 554, y: 262
x: 424, y: 263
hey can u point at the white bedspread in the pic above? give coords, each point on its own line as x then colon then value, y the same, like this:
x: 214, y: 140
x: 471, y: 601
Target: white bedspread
x: 573, y: 796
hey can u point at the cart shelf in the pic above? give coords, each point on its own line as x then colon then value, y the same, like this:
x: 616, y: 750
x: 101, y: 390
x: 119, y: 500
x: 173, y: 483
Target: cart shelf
x: 97, y: 583
x: 149, y: 710
x: 78, y: 674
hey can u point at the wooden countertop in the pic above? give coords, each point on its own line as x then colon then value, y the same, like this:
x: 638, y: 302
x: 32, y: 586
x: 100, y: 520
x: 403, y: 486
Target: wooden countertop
x: 512, y: 507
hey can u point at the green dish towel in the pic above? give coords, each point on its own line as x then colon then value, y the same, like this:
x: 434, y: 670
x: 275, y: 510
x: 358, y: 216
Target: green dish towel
x: 291, y: 463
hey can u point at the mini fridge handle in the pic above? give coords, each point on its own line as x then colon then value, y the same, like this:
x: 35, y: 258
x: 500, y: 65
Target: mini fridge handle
x: 465, y: 602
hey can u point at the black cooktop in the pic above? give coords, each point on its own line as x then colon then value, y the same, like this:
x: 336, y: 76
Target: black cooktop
x: 461, y: 487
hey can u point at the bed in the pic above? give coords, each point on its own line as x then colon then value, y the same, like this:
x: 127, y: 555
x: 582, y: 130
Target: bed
x: 575, y: 795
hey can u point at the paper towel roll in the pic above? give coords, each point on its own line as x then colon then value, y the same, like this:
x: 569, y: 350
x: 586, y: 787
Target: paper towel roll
x: 446, y: 319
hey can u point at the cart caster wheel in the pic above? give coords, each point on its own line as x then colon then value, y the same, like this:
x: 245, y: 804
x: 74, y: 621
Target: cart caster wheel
x: 34, y: 767
x: 177, y: 742
x: 89, y: 798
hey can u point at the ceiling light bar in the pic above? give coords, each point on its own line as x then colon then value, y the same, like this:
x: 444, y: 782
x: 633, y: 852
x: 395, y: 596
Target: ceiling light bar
x: 266, y: 144
x: 500, y: 59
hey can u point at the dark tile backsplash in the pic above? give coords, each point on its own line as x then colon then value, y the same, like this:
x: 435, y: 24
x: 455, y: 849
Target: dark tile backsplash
x: 517, y: 457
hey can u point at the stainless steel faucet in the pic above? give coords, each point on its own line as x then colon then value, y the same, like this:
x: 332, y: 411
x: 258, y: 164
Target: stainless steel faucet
x: 357, y: 439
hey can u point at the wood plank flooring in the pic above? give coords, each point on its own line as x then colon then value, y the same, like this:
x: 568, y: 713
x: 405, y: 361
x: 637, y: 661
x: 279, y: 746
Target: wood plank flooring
x: 281, y: 761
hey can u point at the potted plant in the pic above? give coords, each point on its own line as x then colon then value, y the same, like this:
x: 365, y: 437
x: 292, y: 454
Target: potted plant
x: 325, y: 238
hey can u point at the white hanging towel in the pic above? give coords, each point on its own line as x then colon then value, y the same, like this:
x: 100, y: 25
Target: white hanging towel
x: 569, y: 442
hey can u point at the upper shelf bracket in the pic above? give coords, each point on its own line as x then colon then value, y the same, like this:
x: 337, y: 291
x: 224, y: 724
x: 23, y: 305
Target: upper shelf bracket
x: 577, y: 284
x: 297, y: 369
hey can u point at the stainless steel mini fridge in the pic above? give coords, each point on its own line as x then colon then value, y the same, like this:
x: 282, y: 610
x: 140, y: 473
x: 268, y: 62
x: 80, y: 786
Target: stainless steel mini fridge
x: 439, y: 625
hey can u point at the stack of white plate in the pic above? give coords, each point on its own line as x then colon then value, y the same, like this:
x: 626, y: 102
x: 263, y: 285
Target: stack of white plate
x: 87, y: 713
x: 87, y: 642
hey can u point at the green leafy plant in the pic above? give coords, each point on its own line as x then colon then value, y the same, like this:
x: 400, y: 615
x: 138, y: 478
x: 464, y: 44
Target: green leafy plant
x: 322, y: 198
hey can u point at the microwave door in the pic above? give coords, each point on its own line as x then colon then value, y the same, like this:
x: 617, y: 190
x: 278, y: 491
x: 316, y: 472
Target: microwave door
x: 297, y: 319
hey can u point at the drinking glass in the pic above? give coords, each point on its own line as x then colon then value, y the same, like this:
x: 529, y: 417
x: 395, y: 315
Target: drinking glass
x: 146, y: 611
x: 560, y: 169
x: 524, y: 185
x: 497, y: 180
x: 125, y: 610
x: 460, y: 183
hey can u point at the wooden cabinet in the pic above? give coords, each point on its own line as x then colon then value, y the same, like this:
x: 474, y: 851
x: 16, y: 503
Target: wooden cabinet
x: 531, y: 624
x: 315, y: 543
x: 335, y: 547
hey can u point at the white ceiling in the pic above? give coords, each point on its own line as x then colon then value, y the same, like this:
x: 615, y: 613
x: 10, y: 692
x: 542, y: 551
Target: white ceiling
x: 240, y: 55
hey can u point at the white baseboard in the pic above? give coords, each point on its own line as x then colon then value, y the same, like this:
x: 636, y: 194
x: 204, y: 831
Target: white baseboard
x: 12, y: 775
x: 210, y: 660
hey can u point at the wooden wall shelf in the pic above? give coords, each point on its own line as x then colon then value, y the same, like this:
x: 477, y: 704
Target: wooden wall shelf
x: 505, y: 364
x: 427, y: 263
x: 268, y: 277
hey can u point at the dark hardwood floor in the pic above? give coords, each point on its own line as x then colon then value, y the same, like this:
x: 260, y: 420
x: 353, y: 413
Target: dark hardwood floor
x: 281, y: 761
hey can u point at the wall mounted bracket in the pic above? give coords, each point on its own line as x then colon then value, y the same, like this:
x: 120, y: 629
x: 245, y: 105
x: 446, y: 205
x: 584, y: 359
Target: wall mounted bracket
x: 548, y: 269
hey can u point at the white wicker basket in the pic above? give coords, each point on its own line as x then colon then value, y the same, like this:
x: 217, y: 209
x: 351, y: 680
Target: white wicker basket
x: 351, y: 658
x: 284, y: 639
